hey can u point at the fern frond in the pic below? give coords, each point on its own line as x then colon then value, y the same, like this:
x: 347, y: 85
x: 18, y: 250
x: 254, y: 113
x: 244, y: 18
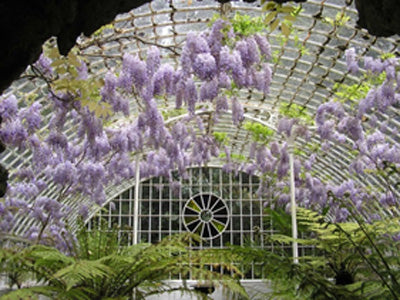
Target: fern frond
x: 82, y: 271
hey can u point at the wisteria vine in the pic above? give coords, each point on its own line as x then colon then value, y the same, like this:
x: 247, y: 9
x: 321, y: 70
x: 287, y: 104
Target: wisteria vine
x: 95, y: 155
x: 105, y: 137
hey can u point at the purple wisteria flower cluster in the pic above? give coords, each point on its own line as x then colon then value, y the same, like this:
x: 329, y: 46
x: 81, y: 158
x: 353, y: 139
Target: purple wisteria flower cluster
x: 353, y: 127
x: 95, y: 156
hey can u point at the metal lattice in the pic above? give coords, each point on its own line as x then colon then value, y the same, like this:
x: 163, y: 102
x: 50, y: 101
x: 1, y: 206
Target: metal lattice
x: 303, y: 78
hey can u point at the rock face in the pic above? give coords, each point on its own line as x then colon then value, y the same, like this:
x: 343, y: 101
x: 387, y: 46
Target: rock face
x: 26, y: 24
x: 379, y: 17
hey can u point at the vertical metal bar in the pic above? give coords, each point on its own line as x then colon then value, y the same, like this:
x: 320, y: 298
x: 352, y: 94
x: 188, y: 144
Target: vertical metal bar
x: 293, y: 207
x: 136, y: 201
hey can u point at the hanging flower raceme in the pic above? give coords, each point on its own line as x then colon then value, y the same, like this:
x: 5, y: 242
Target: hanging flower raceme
x: 211, y: 70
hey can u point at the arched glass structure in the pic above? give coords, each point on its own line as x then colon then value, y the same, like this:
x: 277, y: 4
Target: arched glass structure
x: 225, y: 208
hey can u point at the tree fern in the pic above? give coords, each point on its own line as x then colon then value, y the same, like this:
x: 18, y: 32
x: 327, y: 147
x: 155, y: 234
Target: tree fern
x: 100, y: 268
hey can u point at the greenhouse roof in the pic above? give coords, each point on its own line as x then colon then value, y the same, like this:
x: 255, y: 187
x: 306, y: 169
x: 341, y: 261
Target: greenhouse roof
x: 308, y: 68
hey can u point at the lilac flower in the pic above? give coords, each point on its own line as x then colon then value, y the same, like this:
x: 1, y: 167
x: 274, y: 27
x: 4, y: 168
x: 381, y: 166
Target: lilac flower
x: 163, y: 80
x: 33, y: 116
x: 325, y: 130
x: 125, y: 81
x: 190, y: 95
x: 283, y: 199
x: 237, y: 111
x: 9, y: 108
x: 186, y: 61
x: 82, y: 71
x: 352, y: 64
x: 378, y: 151
x: 215, y: 37
x: 175, y: 187
x: 385, y: 96
x: 57, y: 140
x: 357, y: 166
x: 351, y: 126
x: 365, y: 104
x: 392, y: 155
x: 40, y: 184
x: 374, y: 65
x: 346, y: 187
x: 119, y: 104
x: 204, y: 66
x: 110, y: 84
x: 14, y: 134
x: 196, y: 44
x: 325, y: 146
x: 253, y: 52
x: 221, y: 104
x: 340, y: 138
x: 44, y: 64
x: 262, y: 79
x: 376, y: 138
x: 32, y: 233
x: 309, y: 163
x: 334, y: 108
x: 282, y: 170
x: 154, y: 119
x: 98, y: 196
x: 209, y: 90
x: 274, y: 147
x: 285, y: 126
x: 42, y: 156
x: 25, y: 173
x: 248, y: 51
x: 134, y: 71
x: 252, y: 150
x: 263, y: 45
x: 65, y: 174
x: 341, y: 214
x: 90, y: 125
x: 91, y: 175
x: 153, y: 60
x: 388, y: 199
x: 390, y: 72
x: 226, y: 62
x: 238, y: 71
x: 179, y: 131
x: 224, y: 81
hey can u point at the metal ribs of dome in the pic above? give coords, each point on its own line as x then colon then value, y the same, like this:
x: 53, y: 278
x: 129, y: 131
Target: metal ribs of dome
x: 306, y: 79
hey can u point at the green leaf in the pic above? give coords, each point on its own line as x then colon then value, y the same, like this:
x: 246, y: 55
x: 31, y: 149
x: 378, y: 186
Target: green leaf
x: 290, y: 18
x: 287, y: 9
x: 270, y: 5
x: 82, y: 271
x: 274, y: 25
x: 285, y: 29
x: 270, y: 17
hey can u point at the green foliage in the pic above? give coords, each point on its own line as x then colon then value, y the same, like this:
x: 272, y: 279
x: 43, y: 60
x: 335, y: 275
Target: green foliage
x: 102, y: 29
x: 246, y: 25
x: 234, y: 157
x: 294, y: 111
x: 67, y: 81
x: 100, y: 268
x: 355, y: 92
x: 385, y: 56
x: 340, y: 19
x: 260, y: 133
x: 353, y: 260
x: 171, y: 113
x: 280, y: 14
x: 221, y: 137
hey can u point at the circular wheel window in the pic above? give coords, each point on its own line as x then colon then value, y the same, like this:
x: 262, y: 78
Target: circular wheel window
x: 206, y: 215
